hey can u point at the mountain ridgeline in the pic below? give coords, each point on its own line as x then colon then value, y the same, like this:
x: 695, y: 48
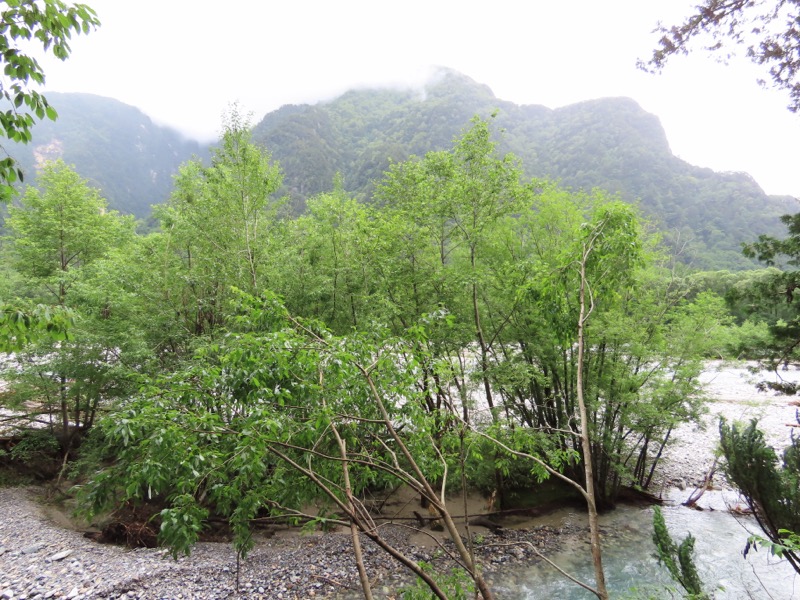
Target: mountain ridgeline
x: 115, y: 146
x: 610, y: 143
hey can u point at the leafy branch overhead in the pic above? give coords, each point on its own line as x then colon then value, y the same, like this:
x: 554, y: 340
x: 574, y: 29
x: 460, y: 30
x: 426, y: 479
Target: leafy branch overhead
x: 767, y: 30
x: 51, y: 23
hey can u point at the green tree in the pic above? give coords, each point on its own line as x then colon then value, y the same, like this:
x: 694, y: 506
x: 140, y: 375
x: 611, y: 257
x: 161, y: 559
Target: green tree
x: 220, y: 223
x: 275, y: 414
x: 60, y: 227
x: 515, y: 269
x: 774, y: 296
x: 458, y: 198
x: 333, y: 276
x: 770, y: 487
x: 643, y: 345
x: 679, y: 559
x: 51, y: 23
x: 57, y: 233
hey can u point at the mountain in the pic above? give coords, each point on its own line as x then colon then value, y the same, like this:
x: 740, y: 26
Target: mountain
x: 610, y: 143
x: 115, y: 146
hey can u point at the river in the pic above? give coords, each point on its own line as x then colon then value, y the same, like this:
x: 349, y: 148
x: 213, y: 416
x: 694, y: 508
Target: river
x: 628, y: 551
x: 632, y: 570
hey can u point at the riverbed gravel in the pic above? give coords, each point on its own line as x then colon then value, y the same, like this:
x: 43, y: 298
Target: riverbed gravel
x: 40, y: 559
x: 733, y: 395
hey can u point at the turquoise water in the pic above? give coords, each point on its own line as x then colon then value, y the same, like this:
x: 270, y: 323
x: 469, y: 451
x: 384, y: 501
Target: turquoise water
x: 633, y: 572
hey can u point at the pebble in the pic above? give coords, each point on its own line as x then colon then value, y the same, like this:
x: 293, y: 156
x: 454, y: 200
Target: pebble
x: 33, y: 548
x: 76, y: 568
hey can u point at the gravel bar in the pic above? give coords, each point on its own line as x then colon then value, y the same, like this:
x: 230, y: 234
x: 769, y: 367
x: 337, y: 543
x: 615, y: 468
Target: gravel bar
x: 40, y: 560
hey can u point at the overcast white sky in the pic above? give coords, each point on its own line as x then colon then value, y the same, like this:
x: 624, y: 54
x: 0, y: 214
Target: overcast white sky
x: 184, y: 61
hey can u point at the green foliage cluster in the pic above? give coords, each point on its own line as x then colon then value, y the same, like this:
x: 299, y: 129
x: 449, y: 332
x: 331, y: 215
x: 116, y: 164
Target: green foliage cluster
x: 67, y: 349
x: 679, y: 559
x: 766, y: 30
x: 21, y: 326
x: 429, y: 338
x: 771, y: 488
x: 34, y: 446
x: 455, y: 583
x: 463, y: 253
x: 51, y: 24
x: 222, y: 433
x: 219, y: 231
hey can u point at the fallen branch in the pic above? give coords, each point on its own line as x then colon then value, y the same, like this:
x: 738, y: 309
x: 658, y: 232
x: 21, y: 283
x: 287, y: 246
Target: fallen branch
x: 691, y: 501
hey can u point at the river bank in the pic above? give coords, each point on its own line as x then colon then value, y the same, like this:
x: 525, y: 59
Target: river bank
x: 732, y: 393
x: 40, y: 558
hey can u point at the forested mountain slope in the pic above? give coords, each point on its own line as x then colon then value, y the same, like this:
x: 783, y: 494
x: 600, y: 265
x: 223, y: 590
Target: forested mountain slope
x: 115, y: 146
x: 610, y: 143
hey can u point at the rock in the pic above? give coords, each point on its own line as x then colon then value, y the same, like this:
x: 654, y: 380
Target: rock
x: 73, y: 593
x: 32, y: 548
x: 59, y: 556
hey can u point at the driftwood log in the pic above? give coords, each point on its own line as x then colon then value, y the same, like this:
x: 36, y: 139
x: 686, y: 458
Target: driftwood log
x: 476, y: 520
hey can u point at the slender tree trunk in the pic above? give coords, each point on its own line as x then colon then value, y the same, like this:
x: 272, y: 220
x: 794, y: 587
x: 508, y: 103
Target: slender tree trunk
x: 487, y: 388
x: 594, y: 527
x: 62, y: 393
x: 348, y: 490
x: 439, y: 502
x: 656, y: 459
